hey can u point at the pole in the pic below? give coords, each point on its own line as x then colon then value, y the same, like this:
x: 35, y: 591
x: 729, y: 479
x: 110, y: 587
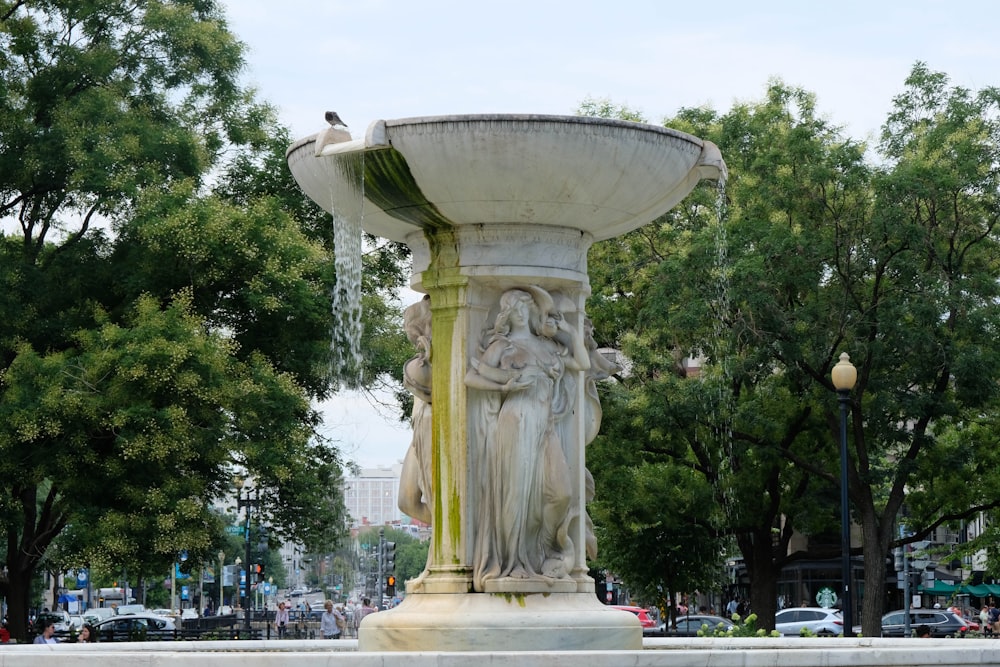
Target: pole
x: 907, y: 595
x: 378, y: 559
x: 845, y: 520
x: 221, y: 579
x: 246, y: 588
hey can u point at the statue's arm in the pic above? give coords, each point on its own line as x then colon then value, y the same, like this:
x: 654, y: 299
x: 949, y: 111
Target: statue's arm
x: 579, y: 356
x: 482, y: 375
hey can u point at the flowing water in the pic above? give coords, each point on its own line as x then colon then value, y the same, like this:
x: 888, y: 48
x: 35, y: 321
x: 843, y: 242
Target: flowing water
x: 721, y: 354
x: 345, y: 343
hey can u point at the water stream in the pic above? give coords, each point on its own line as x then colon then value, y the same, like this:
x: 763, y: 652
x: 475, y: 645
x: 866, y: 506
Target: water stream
x: 721, y: 354
x: 345, y: 342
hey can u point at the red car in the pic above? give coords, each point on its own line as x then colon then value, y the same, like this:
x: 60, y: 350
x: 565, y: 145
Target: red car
x: 648, y: 623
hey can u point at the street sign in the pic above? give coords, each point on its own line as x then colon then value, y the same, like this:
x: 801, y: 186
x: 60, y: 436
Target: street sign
x: 234, y: 530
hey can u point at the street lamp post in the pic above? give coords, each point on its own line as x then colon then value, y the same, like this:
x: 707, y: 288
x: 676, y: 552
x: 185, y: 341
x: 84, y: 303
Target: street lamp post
x: 844, y: 375
x: 236, y: 582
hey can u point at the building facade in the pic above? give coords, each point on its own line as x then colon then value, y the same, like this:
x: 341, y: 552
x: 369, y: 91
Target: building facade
x: 372, y: 497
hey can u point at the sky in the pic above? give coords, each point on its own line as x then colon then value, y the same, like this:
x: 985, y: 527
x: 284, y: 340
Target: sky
x: 386, y: 59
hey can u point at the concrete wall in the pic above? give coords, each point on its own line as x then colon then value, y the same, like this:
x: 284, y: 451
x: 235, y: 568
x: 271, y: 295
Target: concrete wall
x: 732, y: 652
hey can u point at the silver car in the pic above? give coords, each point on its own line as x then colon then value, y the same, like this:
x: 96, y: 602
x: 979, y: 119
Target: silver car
x: 818, y: 620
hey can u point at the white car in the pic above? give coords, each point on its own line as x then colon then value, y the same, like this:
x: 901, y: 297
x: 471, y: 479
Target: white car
x: 189, y: 613
x: 819, y: 621
x: 126, y: 609
x: 60, y: 619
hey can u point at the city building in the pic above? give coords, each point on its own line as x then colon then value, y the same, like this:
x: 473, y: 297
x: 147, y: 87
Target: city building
x: 371, y: 497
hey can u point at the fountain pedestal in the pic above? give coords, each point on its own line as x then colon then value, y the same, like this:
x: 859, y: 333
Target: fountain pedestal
x: 499, y: 212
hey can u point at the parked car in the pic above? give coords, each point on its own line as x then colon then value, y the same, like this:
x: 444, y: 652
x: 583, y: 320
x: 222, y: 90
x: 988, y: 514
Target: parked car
x: 135, y: 628
x: 125, y: 609
x: 95, y: 615
x: 818, y: 620
x: 59, y: 618
x: 941, y: 622
x: 76, y: 621
x: 690, y: 625
x: 648, y: 623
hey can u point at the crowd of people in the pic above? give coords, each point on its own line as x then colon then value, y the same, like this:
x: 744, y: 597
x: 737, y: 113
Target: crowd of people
x: 336, y: 622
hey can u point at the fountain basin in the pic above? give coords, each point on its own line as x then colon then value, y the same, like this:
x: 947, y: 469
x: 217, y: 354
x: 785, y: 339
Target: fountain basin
x: 599, y: 176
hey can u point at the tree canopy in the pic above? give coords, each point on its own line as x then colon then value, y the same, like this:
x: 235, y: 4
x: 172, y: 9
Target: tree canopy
x: 825, y: 245
x: 164, y: 295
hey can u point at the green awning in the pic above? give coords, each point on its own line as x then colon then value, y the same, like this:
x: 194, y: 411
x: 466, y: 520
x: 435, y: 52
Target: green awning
x: 979, y: 591
x: 938, y: 588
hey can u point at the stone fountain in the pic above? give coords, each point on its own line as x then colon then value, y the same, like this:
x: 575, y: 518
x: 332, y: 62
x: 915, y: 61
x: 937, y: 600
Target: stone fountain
x: 499, y: 212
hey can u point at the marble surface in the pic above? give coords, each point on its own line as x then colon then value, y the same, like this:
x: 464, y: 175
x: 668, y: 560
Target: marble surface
x: 539, y: 621
x: 732, y: 652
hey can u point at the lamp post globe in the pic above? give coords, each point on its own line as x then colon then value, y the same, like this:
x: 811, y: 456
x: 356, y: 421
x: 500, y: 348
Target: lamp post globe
x: 844, y: 375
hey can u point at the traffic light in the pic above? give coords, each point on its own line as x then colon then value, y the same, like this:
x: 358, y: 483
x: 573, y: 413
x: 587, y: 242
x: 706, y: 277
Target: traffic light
x: 390, y: 586
x: 388, y: 558
x: 258, y: 570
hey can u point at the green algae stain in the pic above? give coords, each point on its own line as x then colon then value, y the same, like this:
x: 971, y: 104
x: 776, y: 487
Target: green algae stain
x: 389, y: 184
x: 446, y: 289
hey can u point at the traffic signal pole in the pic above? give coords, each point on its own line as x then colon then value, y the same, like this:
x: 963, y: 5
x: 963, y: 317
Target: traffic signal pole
x: 244, y: 501
x: 379, y: 581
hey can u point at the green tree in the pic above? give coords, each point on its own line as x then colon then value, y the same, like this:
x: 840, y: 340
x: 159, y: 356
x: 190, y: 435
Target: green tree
x: 920, y: 315
x: 821, y: 252
x: 411, y: 559
x: 157, y: 338
x: 662, y: 294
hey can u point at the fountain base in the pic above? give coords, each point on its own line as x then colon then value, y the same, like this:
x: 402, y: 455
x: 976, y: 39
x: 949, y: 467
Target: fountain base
x: 501, y: 622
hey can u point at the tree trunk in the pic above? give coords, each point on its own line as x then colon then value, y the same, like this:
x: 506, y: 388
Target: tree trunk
x: 18, y: 592
x: 763, y: 574
x: 876, y: 546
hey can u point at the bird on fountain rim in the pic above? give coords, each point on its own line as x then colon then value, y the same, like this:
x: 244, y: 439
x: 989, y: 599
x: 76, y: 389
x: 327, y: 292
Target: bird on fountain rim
x: 333, y: 119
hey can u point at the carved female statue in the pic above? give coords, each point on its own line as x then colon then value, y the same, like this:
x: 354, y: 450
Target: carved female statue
x: 524, y: 484
x: 601, y: 368
x: 414, y: 483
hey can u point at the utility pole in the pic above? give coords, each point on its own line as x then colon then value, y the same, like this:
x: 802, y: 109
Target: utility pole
x: 378, y: 560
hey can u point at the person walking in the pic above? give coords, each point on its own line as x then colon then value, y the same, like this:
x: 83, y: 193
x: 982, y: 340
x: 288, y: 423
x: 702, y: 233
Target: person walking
x: 281, y: 619
x: 360, y: 613
x: 329, y: 628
